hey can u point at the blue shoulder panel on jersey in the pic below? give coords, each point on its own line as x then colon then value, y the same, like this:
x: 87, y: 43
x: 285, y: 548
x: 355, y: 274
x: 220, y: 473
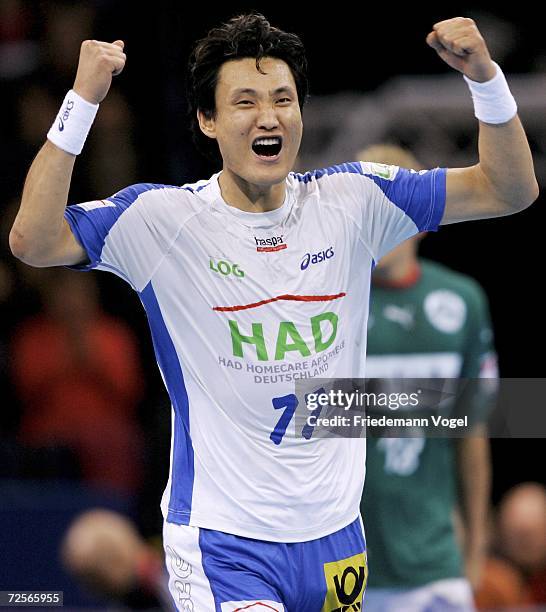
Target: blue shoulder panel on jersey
x: 91, y: 225
x: 348, y: 167
x: 182, y: 472
x: 421, y: 196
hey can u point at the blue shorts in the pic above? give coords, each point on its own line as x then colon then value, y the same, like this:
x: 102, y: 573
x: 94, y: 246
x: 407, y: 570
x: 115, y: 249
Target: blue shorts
x: 216, y: 571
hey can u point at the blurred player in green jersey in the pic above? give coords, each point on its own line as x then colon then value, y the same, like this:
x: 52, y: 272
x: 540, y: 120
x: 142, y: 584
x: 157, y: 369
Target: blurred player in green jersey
x: 426, y: 321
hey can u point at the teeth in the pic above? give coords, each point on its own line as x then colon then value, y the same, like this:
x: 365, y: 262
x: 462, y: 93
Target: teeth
x: 267, y: 141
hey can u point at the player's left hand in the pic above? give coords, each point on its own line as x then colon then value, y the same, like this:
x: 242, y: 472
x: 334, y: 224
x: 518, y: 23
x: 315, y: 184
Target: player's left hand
x: 459, y: 43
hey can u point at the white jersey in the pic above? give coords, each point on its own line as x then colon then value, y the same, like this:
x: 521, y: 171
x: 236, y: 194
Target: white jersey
x: 240, y: 306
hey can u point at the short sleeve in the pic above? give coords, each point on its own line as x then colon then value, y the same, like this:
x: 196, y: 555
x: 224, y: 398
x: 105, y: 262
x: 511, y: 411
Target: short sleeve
x: 400, y: 203
x: 128, y: 233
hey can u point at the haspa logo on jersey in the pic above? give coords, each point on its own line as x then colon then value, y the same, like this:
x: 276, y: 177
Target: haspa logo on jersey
x: 268, y: 245
x: 225, y: 268
x: 315, y: 258
x: 346, y: 580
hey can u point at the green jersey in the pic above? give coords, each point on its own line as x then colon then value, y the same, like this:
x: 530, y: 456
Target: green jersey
x: 436, y: 327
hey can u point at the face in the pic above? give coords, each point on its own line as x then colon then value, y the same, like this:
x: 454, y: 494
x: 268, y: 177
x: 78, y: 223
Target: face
x: 251, y: 107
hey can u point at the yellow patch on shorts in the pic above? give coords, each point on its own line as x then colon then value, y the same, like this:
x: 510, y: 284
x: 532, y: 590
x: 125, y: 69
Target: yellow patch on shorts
x: 346, y: 581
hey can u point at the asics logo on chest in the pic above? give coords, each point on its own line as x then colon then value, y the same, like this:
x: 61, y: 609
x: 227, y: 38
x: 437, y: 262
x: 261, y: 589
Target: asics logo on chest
x: 316, y: 258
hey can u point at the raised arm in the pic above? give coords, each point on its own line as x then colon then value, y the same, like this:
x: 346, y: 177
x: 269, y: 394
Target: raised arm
x: 40, y: 236
x: 503, y: 182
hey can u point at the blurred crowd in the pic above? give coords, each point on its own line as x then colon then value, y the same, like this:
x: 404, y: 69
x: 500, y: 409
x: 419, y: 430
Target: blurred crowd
x: 514, y: 574
x: 81, y: 396
x: 76, y: 399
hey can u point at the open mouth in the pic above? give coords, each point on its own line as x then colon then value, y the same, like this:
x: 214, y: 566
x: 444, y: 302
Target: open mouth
x: 268, y: 147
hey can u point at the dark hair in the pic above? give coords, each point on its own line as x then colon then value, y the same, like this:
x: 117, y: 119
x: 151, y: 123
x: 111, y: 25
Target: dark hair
x: 242, y: 36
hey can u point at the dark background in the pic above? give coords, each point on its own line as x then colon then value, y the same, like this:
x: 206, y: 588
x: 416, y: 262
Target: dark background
x: 351, y: 47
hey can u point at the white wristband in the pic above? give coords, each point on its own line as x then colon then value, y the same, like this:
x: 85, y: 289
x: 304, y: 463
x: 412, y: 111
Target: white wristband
x: 493, y: 102
x: 72, y: 124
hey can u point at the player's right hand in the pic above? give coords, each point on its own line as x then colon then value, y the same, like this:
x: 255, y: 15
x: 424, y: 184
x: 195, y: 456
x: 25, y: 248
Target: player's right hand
x: 99, y: 62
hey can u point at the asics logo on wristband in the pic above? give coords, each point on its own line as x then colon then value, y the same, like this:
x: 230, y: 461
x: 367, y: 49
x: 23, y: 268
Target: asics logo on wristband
x: 70, y: 135
x: 66, y: 114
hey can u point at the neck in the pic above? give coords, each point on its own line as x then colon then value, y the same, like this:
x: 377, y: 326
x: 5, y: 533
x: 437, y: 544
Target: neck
x: 250, y: 197
x: 403, y: 272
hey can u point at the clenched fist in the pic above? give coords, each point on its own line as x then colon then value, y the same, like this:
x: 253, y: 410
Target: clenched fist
x: 459, y: 43
x: 99, y: 62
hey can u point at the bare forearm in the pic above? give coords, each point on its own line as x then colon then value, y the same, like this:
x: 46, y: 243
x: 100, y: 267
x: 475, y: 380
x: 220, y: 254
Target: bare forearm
x: 506, y: 162
x: 475, y: 485
x: 39, y: 222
